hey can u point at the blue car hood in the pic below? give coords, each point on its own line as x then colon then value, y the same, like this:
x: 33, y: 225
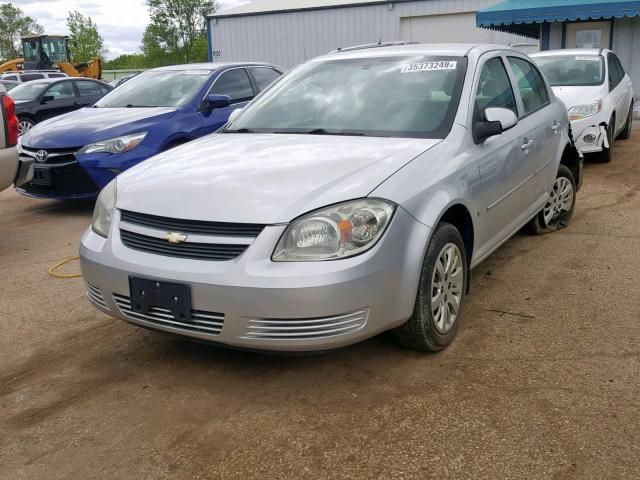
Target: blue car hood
x: 89, y: 125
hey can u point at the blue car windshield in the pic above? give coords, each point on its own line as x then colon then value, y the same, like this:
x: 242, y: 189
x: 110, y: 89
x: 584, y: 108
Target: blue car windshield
x: 399, y: 96
x: 169, y: 88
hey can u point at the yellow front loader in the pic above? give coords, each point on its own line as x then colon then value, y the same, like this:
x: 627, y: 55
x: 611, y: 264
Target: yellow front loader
x: 51, y: 52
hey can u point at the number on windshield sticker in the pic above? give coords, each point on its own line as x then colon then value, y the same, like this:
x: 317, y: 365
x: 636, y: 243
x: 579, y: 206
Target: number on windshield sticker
x: 429, y: 66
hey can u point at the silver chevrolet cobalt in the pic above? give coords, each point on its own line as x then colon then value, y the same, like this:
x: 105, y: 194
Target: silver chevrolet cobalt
x: 354, y: 196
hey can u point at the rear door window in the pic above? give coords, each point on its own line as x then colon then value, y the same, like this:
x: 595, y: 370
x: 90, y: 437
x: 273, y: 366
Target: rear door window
x: 530, y: 84
x: 88, y: 88
x: 57, y: 75
x: 234, y: 83
x: 263, y: 77
x: 28, y: 77
x: 11, y: 77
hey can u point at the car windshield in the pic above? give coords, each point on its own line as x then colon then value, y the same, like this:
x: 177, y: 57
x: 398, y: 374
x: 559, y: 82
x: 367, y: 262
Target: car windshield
x: 400, y: 96
x: 28, y: 91
x: 167, y: 88
x: 578, y: 70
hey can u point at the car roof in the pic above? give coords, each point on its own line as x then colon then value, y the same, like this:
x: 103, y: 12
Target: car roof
x: 432, y: 49
x: 569, y: 52
x: 211, y: 66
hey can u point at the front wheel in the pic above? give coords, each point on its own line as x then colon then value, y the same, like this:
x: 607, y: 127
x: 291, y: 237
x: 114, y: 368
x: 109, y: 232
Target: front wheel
x: 606, y: 155
x: 441, y: 293
x: 558, y: 210
x: 24, y: 125
x: 626, y: 133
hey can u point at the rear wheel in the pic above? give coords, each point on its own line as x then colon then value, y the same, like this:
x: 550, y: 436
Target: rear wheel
x: 558, y: 210
x: 626, y: 133
x: 441, y: 293
x: 24, y: 125
x: 606, y: 155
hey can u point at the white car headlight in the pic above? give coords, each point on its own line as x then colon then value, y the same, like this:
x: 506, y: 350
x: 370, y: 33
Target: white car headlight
x: 334, y: 232
x: 582, y: 111
x: 115, y: 145
x: 103, y: 211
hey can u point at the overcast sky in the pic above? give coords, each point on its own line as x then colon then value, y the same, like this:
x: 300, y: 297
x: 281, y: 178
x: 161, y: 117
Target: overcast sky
x: 120, y: 22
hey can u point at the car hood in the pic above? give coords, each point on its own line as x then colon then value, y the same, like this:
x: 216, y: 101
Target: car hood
x: 89, y: 125
x: 262, y: 178
x: 572, y: 96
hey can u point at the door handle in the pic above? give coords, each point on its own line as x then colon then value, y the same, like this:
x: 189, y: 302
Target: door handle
x: 527, y: 144
x: 555, y: 127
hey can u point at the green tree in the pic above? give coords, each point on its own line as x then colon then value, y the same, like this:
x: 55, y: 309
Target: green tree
x: 14, y: 25
x: 85, y: 42
x: 127, y: 61
x: 177, y: 31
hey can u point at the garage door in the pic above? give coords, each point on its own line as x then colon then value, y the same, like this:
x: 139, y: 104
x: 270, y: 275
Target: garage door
x: 449, y: 28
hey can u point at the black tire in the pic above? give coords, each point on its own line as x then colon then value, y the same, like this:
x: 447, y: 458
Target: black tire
x: 606, y: 155
x: 626, y: 133
x: 24, y: 124
x: 420, y: 332
x: 538, y: 225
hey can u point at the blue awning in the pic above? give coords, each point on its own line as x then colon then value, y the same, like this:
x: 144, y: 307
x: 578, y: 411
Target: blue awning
x: 521, y: 16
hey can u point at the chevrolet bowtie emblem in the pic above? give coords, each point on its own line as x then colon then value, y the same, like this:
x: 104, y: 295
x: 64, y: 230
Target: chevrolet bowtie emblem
x: 175, y: 237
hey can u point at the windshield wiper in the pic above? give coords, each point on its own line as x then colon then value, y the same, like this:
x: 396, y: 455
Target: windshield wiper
x: 240, y: 130
x: 323, y: 131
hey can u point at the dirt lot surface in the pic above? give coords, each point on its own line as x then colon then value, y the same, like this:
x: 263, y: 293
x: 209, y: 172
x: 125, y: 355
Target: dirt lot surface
x: 542, y: 382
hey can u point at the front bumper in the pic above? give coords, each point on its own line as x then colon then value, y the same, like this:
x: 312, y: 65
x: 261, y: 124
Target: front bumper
x: 252, y: 302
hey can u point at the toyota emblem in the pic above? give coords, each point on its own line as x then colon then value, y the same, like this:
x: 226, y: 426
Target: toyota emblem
x: 41, y: 156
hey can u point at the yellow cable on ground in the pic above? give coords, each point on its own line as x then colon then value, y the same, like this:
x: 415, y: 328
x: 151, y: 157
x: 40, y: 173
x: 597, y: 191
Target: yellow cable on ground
x: 52, y: 272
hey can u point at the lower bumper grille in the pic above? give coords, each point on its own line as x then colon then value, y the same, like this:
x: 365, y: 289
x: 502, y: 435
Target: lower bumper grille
x: 66, y: 180
x: 306, y: 329
x: 96, y: 297
x: 192, y: 250
x: 201, y: 321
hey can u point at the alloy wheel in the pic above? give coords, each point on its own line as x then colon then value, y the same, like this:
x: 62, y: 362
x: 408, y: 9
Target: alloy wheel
x: 23, y: 126
x: 560, y: 201
x: 446, y: 288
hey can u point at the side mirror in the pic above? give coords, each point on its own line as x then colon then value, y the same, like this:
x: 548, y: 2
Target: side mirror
x: 47, y: 98
x: 496, y: 121
x: 234, y: 114
x: 505, y: 116
x: 218, y: 101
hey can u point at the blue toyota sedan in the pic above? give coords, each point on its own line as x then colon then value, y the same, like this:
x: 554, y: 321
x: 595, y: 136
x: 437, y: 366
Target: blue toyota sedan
x: 77, y: 154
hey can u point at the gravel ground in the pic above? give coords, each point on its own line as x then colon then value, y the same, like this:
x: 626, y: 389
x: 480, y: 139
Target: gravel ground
x: 542, y: 381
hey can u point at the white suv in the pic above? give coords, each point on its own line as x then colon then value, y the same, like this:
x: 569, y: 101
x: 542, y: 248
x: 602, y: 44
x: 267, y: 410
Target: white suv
x: 31, y: 75
x: 597, y: 92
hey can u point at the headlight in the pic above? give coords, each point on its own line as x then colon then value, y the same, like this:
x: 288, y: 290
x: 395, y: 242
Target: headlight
x: 103, y: 212
x: 115, y: 145
x: 338, y: 231
x: 582, y: 111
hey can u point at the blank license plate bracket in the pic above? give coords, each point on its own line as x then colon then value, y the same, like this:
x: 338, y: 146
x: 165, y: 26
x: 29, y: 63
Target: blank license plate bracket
x: 147, y: 294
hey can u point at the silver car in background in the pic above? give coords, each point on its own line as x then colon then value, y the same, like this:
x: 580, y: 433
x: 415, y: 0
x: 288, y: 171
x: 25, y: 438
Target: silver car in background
x: 352, y: 197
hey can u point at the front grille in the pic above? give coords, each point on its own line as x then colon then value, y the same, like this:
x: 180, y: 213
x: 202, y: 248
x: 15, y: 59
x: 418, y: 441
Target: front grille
x: 192, y: 226
x: 307, y: 328
x: 95, y: 295
x: 192, y: 250
x: 54, y: 155
x: 66, y: 180
x: 201, y: 321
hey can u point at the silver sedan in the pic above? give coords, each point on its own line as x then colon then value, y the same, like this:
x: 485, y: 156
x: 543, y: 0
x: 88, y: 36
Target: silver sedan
x: 352, y: 197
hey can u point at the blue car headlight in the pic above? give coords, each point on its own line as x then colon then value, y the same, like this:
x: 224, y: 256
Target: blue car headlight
x: 115, y: 145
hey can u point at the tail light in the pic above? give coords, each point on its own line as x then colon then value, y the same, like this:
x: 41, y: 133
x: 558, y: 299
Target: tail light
x: 11, y: 120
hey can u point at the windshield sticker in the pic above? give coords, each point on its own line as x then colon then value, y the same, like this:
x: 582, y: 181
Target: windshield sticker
x: 429, y: 66
x: 197, y: 72
x: 587, y: 59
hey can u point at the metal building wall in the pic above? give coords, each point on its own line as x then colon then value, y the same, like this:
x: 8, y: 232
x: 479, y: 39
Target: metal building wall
x: 286, y: 39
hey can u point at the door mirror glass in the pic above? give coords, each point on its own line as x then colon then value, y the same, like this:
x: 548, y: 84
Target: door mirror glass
x: 235, y: 114
x: 218, y: 101
x: 505, y: 116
